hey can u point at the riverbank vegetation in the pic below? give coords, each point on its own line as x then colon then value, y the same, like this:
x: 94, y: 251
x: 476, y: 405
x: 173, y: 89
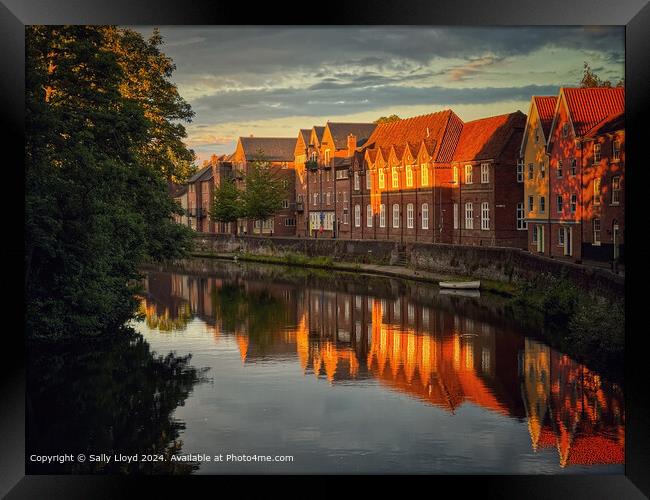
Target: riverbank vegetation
x: 103, y: 140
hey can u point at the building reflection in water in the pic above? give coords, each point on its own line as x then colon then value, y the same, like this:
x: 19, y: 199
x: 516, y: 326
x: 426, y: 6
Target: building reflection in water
x: 427, y: 351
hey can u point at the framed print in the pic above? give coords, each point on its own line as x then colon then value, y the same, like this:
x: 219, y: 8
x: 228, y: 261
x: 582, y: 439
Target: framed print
x: 399, y: 240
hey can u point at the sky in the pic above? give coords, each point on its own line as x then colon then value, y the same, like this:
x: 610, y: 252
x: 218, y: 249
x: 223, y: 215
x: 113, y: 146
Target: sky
x: 272, y: 81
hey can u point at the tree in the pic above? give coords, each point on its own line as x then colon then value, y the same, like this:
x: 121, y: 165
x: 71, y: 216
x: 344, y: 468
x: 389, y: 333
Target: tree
x: 265, y: 190
x: 227, y: 202
x: 591, y: 79
x: 385, y: 119
x: 96, y: 202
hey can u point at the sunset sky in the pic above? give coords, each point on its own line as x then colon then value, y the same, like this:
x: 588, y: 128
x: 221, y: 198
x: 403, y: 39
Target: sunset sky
x: 271, y: 81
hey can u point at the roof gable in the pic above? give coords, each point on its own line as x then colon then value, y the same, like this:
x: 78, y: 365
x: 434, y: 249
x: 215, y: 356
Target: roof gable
x: 273, y: 148
x: 339, y: 133
x: 545, y: 106
x: 588, y: 106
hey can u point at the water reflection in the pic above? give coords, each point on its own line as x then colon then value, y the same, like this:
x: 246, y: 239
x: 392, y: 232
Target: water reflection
x: 442, y: 350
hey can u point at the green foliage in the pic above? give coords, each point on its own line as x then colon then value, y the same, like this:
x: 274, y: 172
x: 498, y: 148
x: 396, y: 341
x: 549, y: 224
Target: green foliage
x: 265, y: 191
x: 96, y: 202
x: 227, y: 202
x: 385, y: 119
x: 591, y: 79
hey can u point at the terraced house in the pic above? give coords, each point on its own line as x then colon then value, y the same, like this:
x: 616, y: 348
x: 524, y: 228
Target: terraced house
x: 533, y: 172
x: 587, y: 162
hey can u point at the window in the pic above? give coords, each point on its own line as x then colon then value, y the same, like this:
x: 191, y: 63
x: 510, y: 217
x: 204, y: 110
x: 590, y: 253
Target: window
x: 616, y: 150
x: 285, y: 203
x: 597, y: 191
x: 596, y: 153
x: 357, y: 216
x: 521, y: 221
x: 596, y: 226
x: 574, y: 203
x: 560, y: 237
x: 542, y: 170
x: 560, y: 202
x: 342, y: 174
x: 395, y: 215
x: 531, y: 171
x: 616, y: 190
x: 424, y: 174
x: 315, y: 198
x: 559, y: 168
x: 395, y: 177
x: 531, y: 204
x: 329, y: 198
x: 289, y: 222
x: 469, y: 216
x: 327, y: 156
x: 574, y: 166
x: 485, y: 173
x: 409, y: 216
x: 382, y: 215
x: 485, y: 216
x: 368, y: 180
x: 409, y: 176
x: 468, y: 174
x: 327, y: 175
x: 542, y: 204
x: 425, y: 216
x: 345, y: 196
x: 369, y: 215
x: 382, y: 181
x: 455, y: 215
x: 535, y: 233
x: 346, y: 220
x: 520, y: 171
x: 455, y: 175
x: 565, y: 130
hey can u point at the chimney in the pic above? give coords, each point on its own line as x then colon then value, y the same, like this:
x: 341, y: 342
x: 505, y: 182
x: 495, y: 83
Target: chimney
x: 352, y: 144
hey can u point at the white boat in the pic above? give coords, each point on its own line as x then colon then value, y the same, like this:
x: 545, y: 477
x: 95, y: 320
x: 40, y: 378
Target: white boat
x: 461, y: 285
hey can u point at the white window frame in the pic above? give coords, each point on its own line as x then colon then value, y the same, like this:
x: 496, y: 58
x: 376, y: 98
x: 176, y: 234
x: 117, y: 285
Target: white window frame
x: 455, y: 180
x: 485, y: 173
x: 368, y: 179
x: 469, y: 174
x: 456, y: 216
x: 424, y: 175
x: 409, y: 215
x: 521, y: 217
x: 596, y: 228
x: 469, y: 215
x: 485, y: 216
x: 520, y: 171
x: 535, y: 235
x: 396, y: 215
x: 597, y: 152
x: 616, y: 151
x: 382, y: 215
x: 394, y: 178
x: 409, y: 176
x: 382, y: 178
x: 531, y: 203
x: 573, y: 206
x: 559, y: 203
x: 596, y: 197
x: 357, y: 215
x: 616, y: 190
x: 368, y: 215
x: 425, y: 216
x: 357, y: 184
x: 560, y: 236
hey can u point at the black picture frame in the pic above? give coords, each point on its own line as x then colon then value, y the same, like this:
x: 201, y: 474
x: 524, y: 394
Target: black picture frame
x: 633, y: 14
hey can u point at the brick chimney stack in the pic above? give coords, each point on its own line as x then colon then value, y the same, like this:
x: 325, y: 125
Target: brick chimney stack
x: 352, y: 144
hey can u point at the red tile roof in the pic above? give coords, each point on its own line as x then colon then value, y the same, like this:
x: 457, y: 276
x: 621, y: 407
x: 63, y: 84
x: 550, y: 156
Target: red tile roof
x: 589, y: 106
x: 340, y: 132
x: 432, y: 126
x: 274, y: 148
x: 545, y: 109
x: 485, y: 138
x: 611, y: 123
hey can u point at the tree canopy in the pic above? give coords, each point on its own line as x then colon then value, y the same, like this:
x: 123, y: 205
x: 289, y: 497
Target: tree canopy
x: 591, y: 79
x: 384, y: 119
x: 102, y: 142
x: 226, y: 202
x: 265, y: 190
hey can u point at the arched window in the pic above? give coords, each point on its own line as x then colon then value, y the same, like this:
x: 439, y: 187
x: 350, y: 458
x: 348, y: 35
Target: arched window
x: 409, y: 216
x: 395, y: 215
x: 382, y: 215
x: 395, y: 178
x: 409, y: 176
x: 369, y: 215
x: 382, y: 180
x: 425, y: 216
x: 357, y: 216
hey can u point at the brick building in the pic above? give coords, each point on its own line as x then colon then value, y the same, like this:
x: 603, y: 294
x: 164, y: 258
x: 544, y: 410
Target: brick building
x: 279, y: 152
x: 586, y: 168
x: 199, y: 195
x: 487, y: 191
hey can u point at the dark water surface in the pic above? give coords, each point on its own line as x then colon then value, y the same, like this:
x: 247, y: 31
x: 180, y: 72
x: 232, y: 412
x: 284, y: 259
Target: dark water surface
x: 345, y: 373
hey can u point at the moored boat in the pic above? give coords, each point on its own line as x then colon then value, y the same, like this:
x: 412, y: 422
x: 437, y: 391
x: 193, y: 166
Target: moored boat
x: 461, y: 285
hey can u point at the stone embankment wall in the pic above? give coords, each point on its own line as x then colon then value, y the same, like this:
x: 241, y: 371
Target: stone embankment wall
x: 499, y: 264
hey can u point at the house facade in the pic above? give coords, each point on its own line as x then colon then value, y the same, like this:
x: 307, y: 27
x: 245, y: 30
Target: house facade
x: 279, y: 152
x: 534, y: 171
x: 585, y: 121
